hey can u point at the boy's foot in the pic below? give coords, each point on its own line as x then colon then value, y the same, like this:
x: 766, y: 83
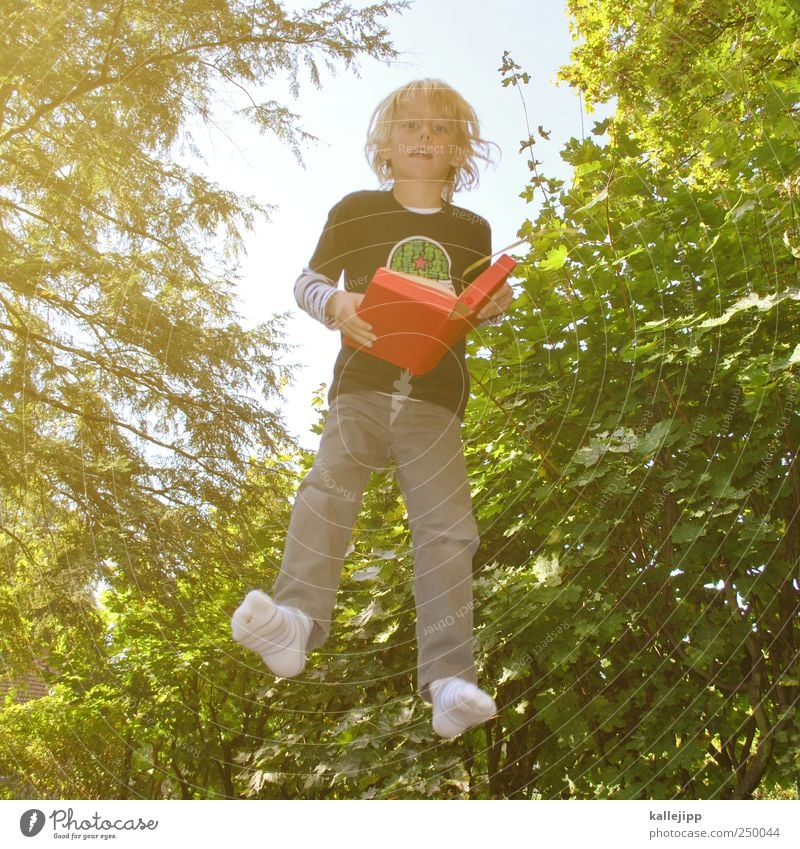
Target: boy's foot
x: 276, y: 632
x: 458, y: 705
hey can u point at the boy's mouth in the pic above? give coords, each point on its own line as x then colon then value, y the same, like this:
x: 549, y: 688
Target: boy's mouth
x: 422, y: 153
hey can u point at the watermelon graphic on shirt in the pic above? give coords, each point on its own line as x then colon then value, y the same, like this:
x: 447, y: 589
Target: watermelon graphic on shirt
x: 422, y: 258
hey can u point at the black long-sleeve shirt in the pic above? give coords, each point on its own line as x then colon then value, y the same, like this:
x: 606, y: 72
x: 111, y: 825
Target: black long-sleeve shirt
x: 370, y: 229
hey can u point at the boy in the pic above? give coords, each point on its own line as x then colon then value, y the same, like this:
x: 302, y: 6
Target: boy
x: 424, y: 139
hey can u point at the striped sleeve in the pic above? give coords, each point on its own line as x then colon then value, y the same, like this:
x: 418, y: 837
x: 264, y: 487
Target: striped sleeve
x: 312, y: 291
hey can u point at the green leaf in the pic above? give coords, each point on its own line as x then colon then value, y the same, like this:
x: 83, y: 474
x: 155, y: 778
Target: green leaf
x: 556, y: 258
x: 686, y: 532
x: 598, y: 198
x: 654, y: 438
x: 586, y: 168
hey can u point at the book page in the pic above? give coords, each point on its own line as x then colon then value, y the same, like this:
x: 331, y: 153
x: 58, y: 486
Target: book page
x: 442, y: 285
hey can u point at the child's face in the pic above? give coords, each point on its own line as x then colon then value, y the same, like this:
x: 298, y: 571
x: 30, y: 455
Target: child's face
x: 423, y: 144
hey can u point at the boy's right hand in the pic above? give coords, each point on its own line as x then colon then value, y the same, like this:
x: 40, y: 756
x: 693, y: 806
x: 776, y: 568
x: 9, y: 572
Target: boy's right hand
x: 342, y: 306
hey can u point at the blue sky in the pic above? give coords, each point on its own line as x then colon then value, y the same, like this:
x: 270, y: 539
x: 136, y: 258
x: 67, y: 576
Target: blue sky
x: 459, y: 41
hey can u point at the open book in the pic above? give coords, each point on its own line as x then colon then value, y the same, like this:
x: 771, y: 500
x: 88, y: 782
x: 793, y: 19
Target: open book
x: 418, y: 320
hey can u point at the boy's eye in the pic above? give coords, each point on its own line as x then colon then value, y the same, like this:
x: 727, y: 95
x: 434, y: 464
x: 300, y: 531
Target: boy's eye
x: 413, y: 124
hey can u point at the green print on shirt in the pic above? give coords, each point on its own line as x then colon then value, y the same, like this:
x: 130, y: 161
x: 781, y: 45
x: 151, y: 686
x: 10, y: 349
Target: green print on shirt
x: 422, y: 257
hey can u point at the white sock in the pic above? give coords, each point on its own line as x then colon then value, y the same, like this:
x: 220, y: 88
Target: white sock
x: 277, y: 632
x: 458, y: 705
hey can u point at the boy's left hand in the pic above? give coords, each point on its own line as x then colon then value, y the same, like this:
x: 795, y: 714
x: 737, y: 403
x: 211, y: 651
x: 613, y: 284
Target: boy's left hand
x: 498, y: 303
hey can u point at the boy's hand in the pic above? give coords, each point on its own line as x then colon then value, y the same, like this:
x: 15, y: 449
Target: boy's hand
x: 498, y: 303
x: 342, y: 308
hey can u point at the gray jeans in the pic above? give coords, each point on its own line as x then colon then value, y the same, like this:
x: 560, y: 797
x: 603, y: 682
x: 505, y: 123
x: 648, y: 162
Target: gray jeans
x: 363, y: 431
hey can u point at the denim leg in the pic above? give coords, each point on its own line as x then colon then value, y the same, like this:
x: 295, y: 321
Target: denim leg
x: 354, y: 443
x: 426, y: 445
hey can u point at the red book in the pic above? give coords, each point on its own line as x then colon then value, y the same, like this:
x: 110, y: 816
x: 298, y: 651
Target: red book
x: 417, y: 320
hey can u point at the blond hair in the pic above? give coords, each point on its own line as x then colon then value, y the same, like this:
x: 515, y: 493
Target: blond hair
x: 449, y: 105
